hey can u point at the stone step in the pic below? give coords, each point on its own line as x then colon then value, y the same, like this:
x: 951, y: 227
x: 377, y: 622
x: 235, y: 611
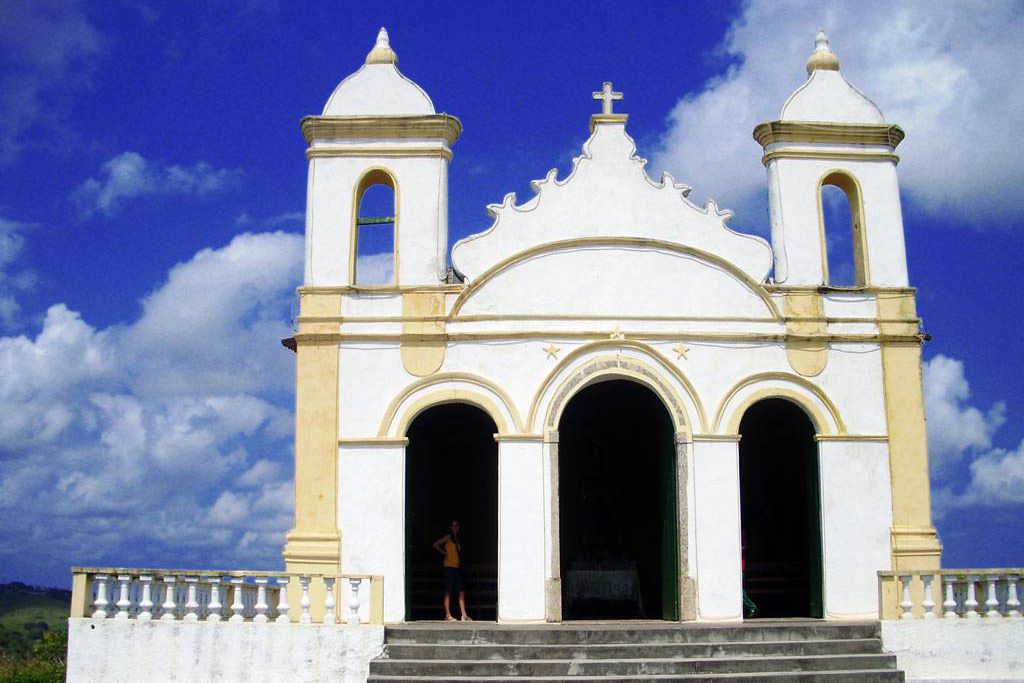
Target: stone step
x: 638, y: 632
x: 629, y: 667
x: 426, y: 651
x: 766, y: 677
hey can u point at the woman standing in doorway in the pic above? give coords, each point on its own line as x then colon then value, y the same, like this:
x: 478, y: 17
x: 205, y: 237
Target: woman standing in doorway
x: 451, y: 549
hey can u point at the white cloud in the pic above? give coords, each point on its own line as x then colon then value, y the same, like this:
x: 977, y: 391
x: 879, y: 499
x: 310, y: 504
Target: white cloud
x: 375, y: 269
x: 167, y: 440
x: 14, y: 279
x: 955, y: 428
x: 959, y: 432
x: 944, y: 71
x: 130, y: 175
x: 47, y: 50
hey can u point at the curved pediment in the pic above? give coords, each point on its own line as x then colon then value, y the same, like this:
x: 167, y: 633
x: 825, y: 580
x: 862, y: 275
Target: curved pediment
x: 609, y: 195
x: 615, y: 277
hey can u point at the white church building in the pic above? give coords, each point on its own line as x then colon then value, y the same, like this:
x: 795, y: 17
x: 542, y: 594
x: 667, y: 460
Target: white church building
x: 634, y: 410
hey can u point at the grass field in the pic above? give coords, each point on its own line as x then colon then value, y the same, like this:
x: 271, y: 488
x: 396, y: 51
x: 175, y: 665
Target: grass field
x: 33, y: 633
x: 27, y: 612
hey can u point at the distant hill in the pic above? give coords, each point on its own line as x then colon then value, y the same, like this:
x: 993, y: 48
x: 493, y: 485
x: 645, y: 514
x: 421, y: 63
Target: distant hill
x: 27, y: 612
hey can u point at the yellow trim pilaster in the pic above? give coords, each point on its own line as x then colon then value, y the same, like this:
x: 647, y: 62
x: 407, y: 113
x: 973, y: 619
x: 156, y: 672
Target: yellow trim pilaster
x: 314, y: 545
x: 423, y: 317
x: 914, y: 542
x: 808, y: 353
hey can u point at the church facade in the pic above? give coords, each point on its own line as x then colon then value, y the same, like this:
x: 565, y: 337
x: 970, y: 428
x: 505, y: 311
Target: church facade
x: 633, y: 410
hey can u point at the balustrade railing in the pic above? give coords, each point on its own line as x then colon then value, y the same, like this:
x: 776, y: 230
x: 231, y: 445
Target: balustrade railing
x: 232, y: 596
x: 950, y: 594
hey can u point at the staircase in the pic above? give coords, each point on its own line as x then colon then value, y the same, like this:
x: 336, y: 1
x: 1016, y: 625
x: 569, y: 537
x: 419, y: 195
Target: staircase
x: 781, y: 651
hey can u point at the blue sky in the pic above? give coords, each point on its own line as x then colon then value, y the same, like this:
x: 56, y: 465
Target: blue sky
x: 152, y: 184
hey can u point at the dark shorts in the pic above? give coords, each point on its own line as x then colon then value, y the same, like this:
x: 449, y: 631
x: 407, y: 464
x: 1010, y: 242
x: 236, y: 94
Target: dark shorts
x: 453, y: 581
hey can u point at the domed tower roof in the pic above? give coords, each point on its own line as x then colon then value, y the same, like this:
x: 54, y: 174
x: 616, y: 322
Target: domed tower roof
x: 827, y: 96
x: 378, y: 88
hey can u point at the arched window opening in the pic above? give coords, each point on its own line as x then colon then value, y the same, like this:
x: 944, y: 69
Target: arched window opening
x: 843, y: 231
x: 375, y: 231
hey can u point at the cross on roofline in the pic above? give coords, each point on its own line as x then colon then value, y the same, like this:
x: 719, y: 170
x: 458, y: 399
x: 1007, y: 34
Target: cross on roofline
x: 607, y: 96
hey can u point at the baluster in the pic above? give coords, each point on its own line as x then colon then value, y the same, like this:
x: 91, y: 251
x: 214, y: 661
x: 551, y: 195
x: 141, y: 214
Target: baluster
x: 1012, y: 601
x: 949, y: 604
x: 971, y: 603
x: 907, y: 605
x: 928, y: 603
x: 191, y: 604
x: 991, y: 601
x: 237, y: 584
x: 215, y: 606
x: 123, y: 603
x: 169, y: 605
x: 146, y: 600
x: 261, y: 600
x: 282, y: 599
x: 304, y: 618
x: 353, y: 601
x: 329, y: 602
x: 99, y: 605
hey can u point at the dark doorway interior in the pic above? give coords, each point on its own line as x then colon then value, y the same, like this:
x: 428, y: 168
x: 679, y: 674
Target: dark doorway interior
x: 617, y: 505
x: 451, y: 473
x: 780, y: 510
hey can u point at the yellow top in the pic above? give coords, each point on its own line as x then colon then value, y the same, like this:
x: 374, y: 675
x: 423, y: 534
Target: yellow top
x: 451, y: 554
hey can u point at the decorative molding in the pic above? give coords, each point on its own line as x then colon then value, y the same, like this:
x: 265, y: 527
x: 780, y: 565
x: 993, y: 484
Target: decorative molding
x: 375, y: 441
x: 596, y: 119
x: 847, y: 156
x: 391, y: 412
x: 572, y: 335
x: 442, y: 152
x: 717, y: 437
x: 771, y: 132
x: 823, y: 425
x: 440, y: 126
x: 519, y: 437
x: 877, y: 438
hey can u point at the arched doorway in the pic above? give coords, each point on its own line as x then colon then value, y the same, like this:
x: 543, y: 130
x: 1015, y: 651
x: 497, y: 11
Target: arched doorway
x: 451, y: 472
x: 618, y: 531
x: 780, y: 510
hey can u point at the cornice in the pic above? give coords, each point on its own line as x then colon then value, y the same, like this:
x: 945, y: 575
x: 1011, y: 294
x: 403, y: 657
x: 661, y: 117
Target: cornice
x: 442, y: 126
x: 845, y: 133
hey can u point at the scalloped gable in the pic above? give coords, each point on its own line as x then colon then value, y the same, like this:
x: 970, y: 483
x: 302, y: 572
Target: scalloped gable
x: 608, y: 194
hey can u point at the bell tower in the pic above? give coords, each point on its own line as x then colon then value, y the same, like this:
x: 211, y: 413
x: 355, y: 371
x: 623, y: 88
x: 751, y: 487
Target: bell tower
x: 379, y: 132
x: 829, y: 133
x: 378, y: 138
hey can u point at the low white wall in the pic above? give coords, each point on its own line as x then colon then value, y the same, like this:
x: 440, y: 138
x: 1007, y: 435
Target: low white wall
x: 153, y: 651
x: 937, y: 650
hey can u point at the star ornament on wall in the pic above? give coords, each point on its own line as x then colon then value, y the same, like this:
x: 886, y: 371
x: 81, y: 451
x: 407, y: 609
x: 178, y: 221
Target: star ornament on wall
x: 681, y: 351
x: 551, y: 350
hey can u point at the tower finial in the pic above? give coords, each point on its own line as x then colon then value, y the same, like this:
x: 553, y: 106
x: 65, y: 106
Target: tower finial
x: 382, y: 52
x: 822, y: 58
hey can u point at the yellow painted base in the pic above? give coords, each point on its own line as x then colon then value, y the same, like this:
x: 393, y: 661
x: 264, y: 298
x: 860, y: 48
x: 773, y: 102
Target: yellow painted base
x: 316, y: 553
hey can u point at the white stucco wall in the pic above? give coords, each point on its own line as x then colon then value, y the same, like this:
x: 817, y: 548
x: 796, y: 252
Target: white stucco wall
x: 937, y: 650
x: 522, y: 517
x: 156, y: 651
x: 371, y: 517
x: 716, y: 483
x: 856, y: 515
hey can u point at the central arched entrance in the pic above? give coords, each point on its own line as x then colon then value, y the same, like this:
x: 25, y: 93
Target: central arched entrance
x: 451, y: 467
x: 618, y: 531
x: 780, y: 511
